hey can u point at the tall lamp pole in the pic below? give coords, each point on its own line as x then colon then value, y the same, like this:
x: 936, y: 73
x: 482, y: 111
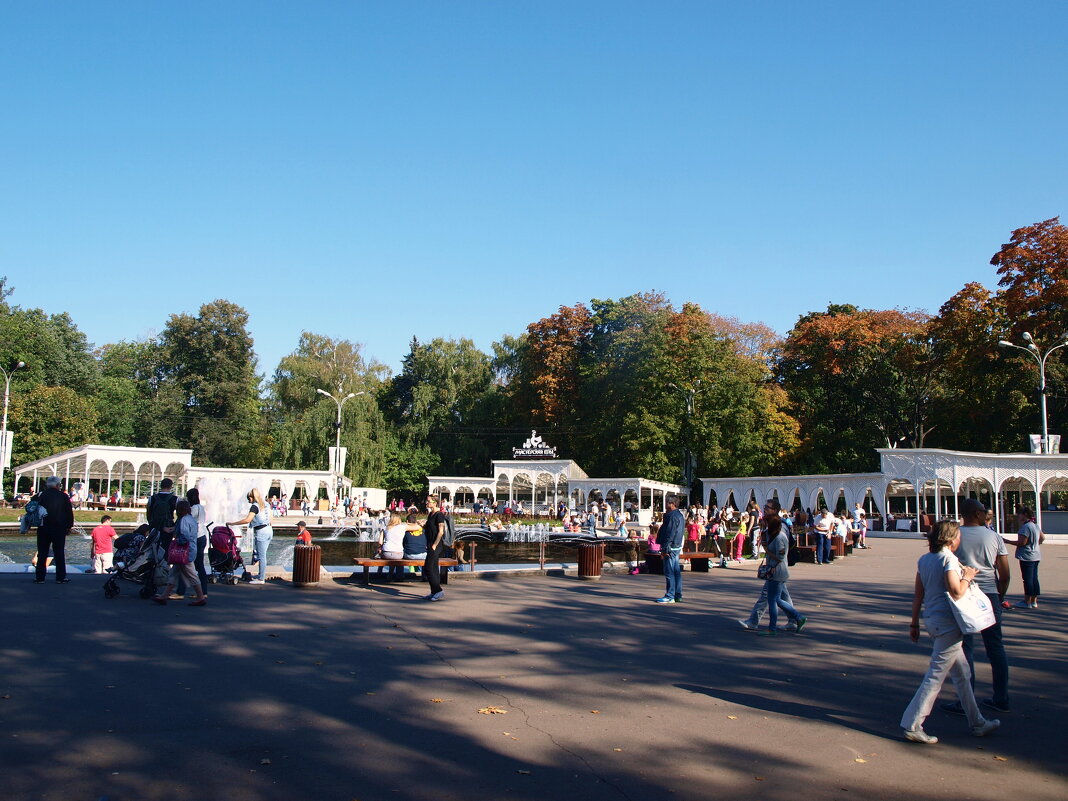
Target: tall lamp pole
x: 336, y: 467
x: 687, y: 454
x: 1036, y: 353
x: 3, y: 428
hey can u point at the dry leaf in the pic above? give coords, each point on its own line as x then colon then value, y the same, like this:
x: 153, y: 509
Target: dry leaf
x: 732, y: 717
x: 1001, y: 759
x: 318, y: 663
x: 617, y: 749
x: 437, y: 700
x: 492, y: 710
x: 858, y: 759
x: 759, y: 778
x: 595, y: 712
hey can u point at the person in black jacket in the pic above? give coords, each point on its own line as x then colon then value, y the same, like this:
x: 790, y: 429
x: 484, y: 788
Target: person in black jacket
x: 53, y: 532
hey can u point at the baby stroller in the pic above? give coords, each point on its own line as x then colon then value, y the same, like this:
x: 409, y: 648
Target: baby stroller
x: 224, y: 555
x: 140, y: 557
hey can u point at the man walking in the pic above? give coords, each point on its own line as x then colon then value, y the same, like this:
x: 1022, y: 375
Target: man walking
x: 52, y: 533
x: 670, y: 538
x: 434, y: 534
x: 985, y: 550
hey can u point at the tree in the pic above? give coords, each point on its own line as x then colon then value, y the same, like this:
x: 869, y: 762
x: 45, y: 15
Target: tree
x: 444, y: 400
x: 49, y: 420
x: 209, y: 382
x: 304, y: 420
x: 856, y: 381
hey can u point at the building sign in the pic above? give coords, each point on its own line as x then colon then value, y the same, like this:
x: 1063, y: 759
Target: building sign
x: 534, y: 448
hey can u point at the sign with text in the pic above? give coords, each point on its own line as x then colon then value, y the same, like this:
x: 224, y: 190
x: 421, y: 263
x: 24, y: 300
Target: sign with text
x: 534, y: 448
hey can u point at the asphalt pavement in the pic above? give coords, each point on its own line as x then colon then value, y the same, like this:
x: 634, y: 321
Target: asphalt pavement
x: 535, y: 687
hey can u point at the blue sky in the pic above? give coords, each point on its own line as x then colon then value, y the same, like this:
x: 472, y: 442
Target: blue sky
x: 378, y: 170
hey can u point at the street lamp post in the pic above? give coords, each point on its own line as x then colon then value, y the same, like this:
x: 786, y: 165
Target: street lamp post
x: 687, y: 455
x: 3, y: 427
x: 1036, y: 353
x: 336, y: 467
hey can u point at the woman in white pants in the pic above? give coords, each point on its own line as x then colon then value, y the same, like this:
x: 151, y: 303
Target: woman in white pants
x: 938, y: 573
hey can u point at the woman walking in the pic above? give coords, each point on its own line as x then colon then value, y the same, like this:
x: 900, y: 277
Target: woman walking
x: 259, y: 520
x: 185, y: 535
x: 939, y: 575
x: 776, y: 545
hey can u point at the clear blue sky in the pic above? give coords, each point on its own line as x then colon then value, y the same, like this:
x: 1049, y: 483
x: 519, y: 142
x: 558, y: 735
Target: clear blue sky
x: 378, y: 170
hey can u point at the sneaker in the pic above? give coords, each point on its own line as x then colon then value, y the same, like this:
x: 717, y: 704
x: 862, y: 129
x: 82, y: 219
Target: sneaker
x: 791, y: 627
x: 801, y: 621
x: 678, y: 600
x: 257, y: 581
x: 1033, y: 605
x: 665, y: 600
x: 1022, y: 605
x: 1006, y: 605
x: 161, y: 601
x: 987, y: 726
x: 920, y: 736
x: 952, y: 708
x: 201, y: 602
x: 990, y: 703
x: 38, y: 581
x: 438, y: 596
x: 745, y: 624
x: 62, y: 581
x: 768, y: 632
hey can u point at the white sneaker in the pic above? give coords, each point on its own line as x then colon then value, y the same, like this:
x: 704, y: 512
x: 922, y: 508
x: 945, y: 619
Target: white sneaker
x: 257, y: 581
x: 984, y: 728
x: 745, y: 624
x: 437, y: 596
x: 920, y: 736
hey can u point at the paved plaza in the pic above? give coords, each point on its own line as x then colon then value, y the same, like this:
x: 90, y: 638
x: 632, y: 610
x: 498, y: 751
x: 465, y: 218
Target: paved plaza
x: 593, y: 692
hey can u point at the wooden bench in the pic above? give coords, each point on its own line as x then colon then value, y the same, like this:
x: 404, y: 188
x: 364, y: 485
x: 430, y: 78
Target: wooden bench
x: 700, y: 561
x: 367, y: 564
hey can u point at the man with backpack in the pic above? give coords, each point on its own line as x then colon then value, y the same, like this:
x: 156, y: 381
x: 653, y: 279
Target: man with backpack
x: 52, y: 531
x: 160, y: 508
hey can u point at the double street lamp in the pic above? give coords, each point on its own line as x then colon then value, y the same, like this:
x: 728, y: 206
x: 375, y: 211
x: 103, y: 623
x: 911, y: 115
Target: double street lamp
x: 688, y: 462
x: 1036, y: 353
x: 336, y: 467
x: 4, y: 455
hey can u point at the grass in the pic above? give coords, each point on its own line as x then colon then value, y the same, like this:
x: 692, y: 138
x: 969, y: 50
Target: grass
x: 82, y: 516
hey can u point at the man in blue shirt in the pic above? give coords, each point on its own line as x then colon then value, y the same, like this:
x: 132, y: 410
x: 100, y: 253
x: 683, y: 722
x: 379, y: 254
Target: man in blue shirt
x: 670, y: 538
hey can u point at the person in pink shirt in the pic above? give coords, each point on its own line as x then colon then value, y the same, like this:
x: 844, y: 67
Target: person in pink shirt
x: 103, y: 550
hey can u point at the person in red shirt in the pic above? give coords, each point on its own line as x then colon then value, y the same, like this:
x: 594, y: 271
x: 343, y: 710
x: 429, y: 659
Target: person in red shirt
x: 103, y: 550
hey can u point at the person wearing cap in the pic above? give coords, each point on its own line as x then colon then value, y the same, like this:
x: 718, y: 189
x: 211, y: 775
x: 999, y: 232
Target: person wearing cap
x: 52, y: 533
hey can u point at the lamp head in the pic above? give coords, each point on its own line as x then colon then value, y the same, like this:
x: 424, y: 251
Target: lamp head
x: 1006, y: 344
x: 323, y: 392
x: 1027, y: 336
x: 21, y: 364
x: 351, y: 395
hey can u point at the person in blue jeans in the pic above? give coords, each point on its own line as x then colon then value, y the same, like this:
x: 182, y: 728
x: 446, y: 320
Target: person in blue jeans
x: 776, y: 547
x: 259, y: 522
x: 670, y: 538
x: 985, y: 550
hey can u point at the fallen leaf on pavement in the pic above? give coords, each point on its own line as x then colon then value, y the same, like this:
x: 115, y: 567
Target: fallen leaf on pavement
x: 595, y: 712
x: 858, y: 759
x: 1001, y: 759
x: 732, y: 717
x: 437, y: 700
x: 492, y: 710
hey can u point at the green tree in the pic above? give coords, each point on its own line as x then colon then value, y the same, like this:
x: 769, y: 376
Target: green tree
x: 304, y: 420
x: 210, y: 387
x: 48, y: 420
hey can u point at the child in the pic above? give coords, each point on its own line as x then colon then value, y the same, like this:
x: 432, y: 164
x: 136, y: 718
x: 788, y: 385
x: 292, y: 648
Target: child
x: 103, y: 550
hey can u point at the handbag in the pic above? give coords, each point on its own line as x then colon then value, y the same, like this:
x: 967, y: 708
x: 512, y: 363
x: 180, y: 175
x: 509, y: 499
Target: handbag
x: 763, y: 570
x: 177, y: 553
x: 973, y: 610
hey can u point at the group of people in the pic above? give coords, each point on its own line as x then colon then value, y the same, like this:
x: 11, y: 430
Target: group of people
x: 405, y: 538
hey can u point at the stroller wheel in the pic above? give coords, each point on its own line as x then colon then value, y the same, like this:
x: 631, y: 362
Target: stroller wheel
x: 213, y: 579
x: 146, y: 592
x: 109, y: 593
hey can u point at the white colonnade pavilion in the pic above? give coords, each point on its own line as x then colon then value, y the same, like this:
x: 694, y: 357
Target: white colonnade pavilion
x: 926, y: 481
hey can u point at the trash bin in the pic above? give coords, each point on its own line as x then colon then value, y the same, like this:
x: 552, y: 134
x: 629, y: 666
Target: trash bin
x: 306, y: 562
x: 591, y: 557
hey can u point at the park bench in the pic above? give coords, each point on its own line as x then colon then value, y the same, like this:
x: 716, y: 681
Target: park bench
x: 699, y: 561
x: 367, y: 564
